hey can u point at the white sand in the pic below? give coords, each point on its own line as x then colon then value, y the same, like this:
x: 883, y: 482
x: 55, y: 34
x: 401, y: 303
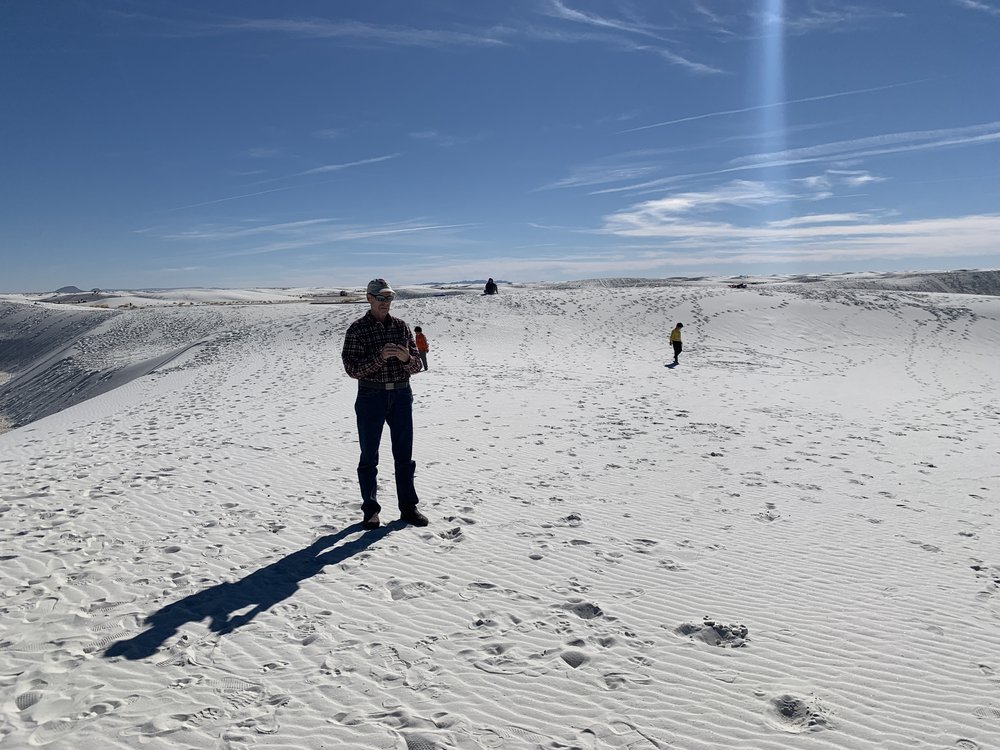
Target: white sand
x: 819, y: 478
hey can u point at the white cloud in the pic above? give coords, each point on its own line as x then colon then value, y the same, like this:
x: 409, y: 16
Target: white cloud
x: 799, y: 221
x: 665, y: 214
x: 811, y: 237
x: 980, y: 5
x: 681, y: 224
x: 856, y: 177
x: 874, y: 242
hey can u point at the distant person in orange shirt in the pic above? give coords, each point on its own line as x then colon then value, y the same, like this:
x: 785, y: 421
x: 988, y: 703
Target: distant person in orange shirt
x: 422, y: 347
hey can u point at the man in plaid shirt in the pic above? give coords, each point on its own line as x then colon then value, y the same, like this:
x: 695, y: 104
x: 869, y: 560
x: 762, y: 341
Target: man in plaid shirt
x: 379, y: 351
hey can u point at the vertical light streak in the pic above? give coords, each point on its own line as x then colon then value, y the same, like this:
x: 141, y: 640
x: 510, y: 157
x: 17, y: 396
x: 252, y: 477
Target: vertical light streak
x: 772, y: 124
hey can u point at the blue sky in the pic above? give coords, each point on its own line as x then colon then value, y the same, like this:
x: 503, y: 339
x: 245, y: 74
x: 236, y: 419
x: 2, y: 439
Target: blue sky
x: 148, y: 143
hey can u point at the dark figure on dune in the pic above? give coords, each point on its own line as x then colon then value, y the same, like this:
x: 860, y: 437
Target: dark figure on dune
x: 491, y: 287
x: 380, y: 352
x: 675, y: 341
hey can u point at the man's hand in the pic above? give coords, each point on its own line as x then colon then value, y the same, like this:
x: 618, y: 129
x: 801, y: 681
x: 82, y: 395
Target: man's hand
x: 397, y: 351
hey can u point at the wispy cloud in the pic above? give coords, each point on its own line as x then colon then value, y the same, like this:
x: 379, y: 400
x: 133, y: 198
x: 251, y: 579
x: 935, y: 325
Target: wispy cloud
x: 445, y: 140
x: 838, y: 152
x: 832, y: 16
x: 855, y: 177
x: 681, y: 211
x: 264, y: 152
x: 824, y: 219
x: 325, y: 169
x: 890, y: 143
x: 745, y: 20
x: 403, y: 36
x: 338, y: 167
x: 237, y: 241
x: 232, y: 198
x: 558, y: 9
x: 602, y: 174
x: 757, y: 108
x: 981, y: 6
x: 626, y: 29
x: 663, y: 214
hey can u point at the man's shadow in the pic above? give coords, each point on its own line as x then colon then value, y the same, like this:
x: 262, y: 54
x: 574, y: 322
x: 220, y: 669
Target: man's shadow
x: 261, y: 589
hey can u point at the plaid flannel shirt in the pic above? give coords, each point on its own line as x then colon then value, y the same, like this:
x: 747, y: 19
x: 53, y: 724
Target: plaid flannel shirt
x: 363, y: 346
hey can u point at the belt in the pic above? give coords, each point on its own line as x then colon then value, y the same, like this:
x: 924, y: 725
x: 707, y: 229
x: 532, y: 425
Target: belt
x: 384, y: 386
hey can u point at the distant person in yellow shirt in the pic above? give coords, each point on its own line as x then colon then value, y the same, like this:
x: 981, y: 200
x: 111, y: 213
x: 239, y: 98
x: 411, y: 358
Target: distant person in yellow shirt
x: 675, y: 341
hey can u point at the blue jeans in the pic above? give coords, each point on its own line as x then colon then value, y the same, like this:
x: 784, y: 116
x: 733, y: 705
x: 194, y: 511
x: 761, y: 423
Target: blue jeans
x: 376, y: 408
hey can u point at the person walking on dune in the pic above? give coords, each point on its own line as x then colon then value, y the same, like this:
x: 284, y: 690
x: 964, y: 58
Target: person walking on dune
x: 380, y: 353
x: 422, y: 346
x: 675, y: 341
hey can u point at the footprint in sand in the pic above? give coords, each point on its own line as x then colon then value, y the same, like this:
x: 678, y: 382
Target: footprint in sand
x: 26, y: 700
x: 792, y: 714
x: 621, y: 680
x: 583, y: 609
x: 574, y: 658
x: 715, y: 633
x: 671, y: 565
x: 387, y: 660
x: 620, y: 733
x: 502, y: 737
x: 990, y: 713
x: 399, y: 590
x: 421, y: 742
x: 767, y: 516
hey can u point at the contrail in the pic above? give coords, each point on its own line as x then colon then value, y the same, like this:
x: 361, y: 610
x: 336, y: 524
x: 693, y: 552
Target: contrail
x: 317, y: 170
x: 233, y: 198
x: 776, y: 104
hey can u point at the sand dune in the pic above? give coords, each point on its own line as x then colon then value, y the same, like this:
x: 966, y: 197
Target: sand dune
x: 789, y: 540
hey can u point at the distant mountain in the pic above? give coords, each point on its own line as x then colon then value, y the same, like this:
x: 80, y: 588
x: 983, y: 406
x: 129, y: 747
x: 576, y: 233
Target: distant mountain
x: 69, y: 290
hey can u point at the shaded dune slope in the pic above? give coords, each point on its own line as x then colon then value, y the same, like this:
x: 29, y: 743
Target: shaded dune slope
x: 56, y: 358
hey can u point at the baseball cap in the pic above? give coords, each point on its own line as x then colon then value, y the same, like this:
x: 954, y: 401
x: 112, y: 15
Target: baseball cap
x: 379, y: 286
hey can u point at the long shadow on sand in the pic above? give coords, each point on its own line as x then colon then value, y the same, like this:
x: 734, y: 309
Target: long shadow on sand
x: 261, y: 589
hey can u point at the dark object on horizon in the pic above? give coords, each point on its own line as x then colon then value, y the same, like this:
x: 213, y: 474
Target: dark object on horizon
x: 491, y: 287
x: 741, y: 285
x: 68, y: 290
